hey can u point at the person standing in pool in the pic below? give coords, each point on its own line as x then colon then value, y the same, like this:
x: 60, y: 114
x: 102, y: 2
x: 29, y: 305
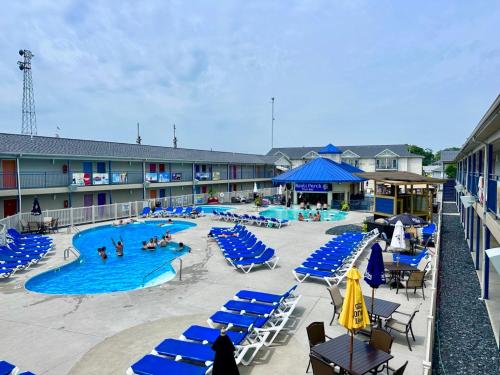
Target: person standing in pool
x: 118, y: 246
x: 151, y: 245
x: 168, y: 236
x: 102, y: 253
x: 144, y: 245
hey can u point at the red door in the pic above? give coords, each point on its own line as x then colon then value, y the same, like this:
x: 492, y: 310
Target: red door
x: 9, y: 207
x: 152, y: 194
x: 9, y: 174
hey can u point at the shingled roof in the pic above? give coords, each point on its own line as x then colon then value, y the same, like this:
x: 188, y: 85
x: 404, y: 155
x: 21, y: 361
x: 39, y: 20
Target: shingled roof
x: 368, y: 151
x: 448, y: 156
x: 16, y: 144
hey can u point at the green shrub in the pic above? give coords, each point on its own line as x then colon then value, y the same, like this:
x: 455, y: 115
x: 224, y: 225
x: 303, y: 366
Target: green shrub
x: 344, y: 206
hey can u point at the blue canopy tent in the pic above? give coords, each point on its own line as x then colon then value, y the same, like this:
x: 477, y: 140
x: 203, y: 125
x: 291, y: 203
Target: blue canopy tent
x: 319, y: 175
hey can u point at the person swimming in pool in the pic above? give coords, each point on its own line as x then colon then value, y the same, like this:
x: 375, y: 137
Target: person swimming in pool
x: 182, y: 247
x: 168, y: 236
x: 163, y: 242
x: 151, y: 244
x: 118, y: 246
x: 301, y: 217
x: 102, y: 253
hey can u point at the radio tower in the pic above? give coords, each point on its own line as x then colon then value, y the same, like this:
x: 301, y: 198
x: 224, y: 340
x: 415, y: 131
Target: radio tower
x: 29, y: 115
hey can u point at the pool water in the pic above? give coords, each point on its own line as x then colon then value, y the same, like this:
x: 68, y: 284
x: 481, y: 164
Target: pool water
x: 89, y: 274
x: 210, y: 208
x: 293, y: 214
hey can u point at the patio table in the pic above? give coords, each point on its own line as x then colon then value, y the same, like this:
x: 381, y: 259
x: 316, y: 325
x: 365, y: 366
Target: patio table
x: 364, y: 357
x: 382, y: 309
x: 396, y: 270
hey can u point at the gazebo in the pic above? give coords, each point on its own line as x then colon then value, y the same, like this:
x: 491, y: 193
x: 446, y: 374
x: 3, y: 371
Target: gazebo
x: 402, y: 192
x: 322, y: 180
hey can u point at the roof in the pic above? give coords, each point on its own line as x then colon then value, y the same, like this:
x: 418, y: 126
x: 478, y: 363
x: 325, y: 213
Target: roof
x: 365, y: 151
x: 319, y: 170
x: 330, y: 149
x: 487, y: 126
x: 400, y: 178
x: 16, y: 144
x: 448, y: 156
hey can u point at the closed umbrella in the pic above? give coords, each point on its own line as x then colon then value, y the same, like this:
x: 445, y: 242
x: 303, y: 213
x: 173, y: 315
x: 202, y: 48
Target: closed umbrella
x: 374, y: 274
x: 36, y: 210
x: 407, y: 220
x: 255, y: 189
x: 224, y: 361
x: 354, y: 314
x: 398, y: 237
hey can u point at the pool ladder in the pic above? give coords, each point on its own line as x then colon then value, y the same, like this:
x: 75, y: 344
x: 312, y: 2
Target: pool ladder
x: 160, y: 267
x: 70, y: 249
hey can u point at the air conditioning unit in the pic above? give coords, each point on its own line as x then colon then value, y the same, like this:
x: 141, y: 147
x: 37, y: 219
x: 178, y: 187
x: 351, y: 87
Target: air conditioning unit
x: 468, y: 200
x: 459, y: 188
x: 72, y: 188
x: 146, y: 184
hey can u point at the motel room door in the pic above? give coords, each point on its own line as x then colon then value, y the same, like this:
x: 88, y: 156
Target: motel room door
x: 9, y: 174
x: 152, y: 194
x: 9, y: 207
x: 88, y: 202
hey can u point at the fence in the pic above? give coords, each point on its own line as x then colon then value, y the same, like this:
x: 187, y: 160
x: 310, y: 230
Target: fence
x: 93, y: 214
x: 431, y: 318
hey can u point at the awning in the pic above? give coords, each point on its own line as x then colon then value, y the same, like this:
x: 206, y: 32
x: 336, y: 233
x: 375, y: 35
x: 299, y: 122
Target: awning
x: 401, y: 178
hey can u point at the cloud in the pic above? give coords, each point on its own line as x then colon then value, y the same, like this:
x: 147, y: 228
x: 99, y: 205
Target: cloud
x: 344, y: 72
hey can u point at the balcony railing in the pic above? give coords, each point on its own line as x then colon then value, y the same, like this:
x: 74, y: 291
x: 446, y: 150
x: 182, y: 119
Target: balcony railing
x: 39, y: 180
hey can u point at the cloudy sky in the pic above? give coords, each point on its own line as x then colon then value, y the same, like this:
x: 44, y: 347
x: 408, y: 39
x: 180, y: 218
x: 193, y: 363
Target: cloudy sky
x: 345, y: 72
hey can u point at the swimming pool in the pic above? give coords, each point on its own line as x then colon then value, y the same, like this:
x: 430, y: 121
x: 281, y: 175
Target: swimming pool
x: 89, y: 274
x: 209, y: 208
x: 293, y: 213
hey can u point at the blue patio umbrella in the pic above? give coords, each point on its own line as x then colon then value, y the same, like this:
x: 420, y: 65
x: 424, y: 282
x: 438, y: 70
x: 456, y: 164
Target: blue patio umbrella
x: 374, y: 274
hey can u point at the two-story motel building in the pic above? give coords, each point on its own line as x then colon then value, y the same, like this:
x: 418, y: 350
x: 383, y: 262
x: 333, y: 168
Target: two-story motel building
x: 64, y: 172
x: 478, y: 164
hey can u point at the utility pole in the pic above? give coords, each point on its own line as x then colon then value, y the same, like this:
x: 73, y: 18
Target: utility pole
x: 272, y: 122
x: 139, y: 139
x: 28, y: 111
x: 175, y: 138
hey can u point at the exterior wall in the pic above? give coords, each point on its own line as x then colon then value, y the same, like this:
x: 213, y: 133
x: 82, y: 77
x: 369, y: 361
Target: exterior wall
x: 414, y: 165
x: 185, y: 168
x: 126, y: 195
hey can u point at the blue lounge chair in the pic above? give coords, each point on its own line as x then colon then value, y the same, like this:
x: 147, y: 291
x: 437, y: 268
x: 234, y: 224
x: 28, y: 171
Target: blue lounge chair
x: 178, y: 212
x: 186, y: 350
x: 146, y: 211
x: 244, y: 341
x: 187, y: 211
x: 234, y: 320
x: 303, y: 273
x: 274, y: 299
x: 154, y: 365
x: 250, y: 308
x: 268, y: 258
x: 7, y: 368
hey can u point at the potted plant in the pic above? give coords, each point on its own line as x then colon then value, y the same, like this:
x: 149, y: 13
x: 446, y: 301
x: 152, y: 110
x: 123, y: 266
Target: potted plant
x: 211, y: 198
x: 344, y: 206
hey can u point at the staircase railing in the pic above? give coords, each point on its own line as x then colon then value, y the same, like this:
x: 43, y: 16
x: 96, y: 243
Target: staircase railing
x: 169, y: 263
x: 70, y: 249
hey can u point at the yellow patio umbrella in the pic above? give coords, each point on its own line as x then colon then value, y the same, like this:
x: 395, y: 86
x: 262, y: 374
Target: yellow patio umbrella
x: 354, y: 314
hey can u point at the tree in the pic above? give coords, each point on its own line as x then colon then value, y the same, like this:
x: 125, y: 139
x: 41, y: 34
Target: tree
x: 426, y: 153
x: 451, y: 171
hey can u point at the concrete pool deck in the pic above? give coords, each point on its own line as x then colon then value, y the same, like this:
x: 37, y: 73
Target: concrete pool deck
x: 106, y: 333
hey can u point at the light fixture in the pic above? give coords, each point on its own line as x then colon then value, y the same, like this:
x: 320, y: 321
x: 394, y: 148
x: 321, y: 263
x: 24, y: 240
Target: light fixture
x: 494, y: 255
x: 468, y: 200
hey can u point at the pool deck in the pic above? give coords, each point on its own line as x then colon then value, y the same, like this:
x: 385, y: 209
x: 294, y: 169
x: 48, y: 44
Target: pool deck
x: 106, y: 333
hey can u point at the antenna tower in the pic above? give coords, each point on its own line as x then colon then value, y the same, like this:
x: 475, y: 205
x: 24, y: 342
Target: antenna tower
x: 139, y: 139
x: 175, y: 138
x: 28, y: 111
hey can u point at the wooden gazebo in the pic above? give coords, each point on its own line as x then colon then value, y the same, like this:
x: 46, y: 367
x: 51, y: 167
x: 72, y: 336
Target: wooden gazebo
x: 402, y: 192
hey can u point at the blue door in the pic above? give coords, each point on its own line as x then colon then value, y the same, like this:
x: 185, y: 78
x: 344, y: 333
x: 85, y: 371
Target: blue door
x: 162, y: 193
x: 101, y: 167
x: 101, y: 199
x: 87, y: 167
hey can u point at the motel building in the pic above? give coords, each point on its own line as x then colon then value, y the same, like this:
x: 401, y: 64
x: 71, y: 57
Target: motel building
x: 65, y: 173
x: 478, y: 200
x: 324, y: 179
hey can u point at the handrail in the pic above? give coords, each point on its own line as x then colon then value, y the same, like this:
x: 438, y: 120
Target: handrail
x: 431, y: 318
x: 3, y: 234
x: 72, y: 250
x: 161, y: 266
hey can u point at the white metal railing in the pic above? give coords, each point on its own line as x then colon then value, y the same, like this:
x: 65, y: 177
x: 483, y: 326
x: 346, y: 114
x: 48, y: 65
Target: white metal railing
x: 71, y: 249
x: 70, y: 217
x: 431, y: 318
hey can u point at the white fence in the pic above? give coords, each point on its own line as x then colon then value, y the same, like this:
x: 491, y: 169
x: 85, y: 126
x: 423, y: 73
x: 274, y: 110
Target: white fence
x: 431, y: 318
x: 93, y: 214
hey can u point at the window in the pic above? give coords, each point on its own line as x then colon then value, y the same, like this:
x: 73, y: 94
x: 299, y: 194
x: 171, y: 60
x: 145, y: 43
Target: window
x: 351, y: 161
x: 386, y: 163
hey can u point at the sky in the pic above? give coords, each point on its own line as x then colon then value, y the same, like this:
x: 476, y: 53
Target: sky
x: 343, y: 72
